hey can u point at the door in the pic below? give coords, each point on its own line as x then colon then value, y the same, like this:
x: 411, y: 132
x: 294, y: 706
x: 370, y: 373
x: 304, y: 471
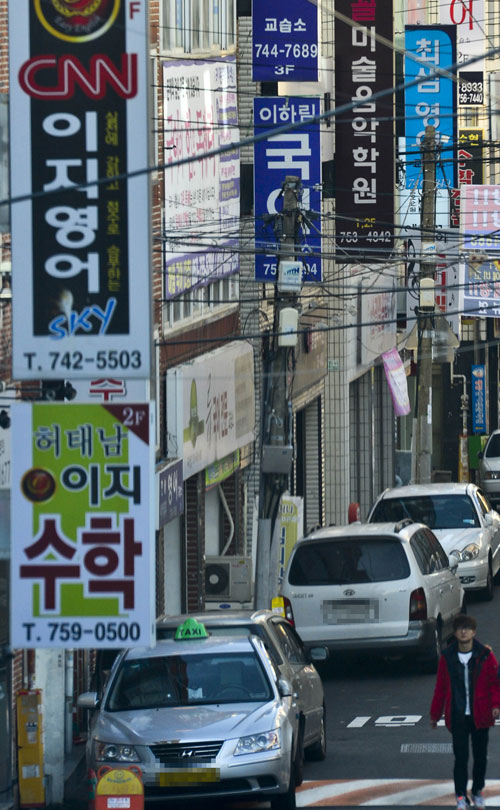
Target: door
x: 306, y: 680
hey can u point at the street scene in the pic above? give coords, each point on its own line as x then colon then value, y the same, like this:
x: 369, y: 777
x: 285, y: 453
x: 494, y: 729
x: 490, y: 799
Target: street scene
x: 249, y: 404
x: 381, y: 750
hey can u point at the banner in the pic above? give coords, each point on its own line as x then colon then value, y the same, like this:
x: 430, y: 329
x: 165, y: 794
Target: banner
x: 470, y: 167
x: 480, y: 217
x: 431, y: 102
x: 396, y: 380
x: 82, y: 513
x: 478, y: 389
x: 285, y: 41
x: 291, y: 153
x: 211, y: 406
x: 80, y: 243
x: 202, y: 198
x: 364, y: 66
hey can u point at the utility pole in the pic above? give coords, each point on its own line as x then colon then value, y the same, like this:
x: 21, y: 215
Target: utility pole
x: 423, y: 438
x: 276, y: 449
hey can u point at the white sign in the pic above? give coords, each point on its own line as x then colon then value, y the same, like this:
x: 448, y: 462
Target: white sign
x: 210, y: 406
x: 376, y: 312
x: 202, y: 198
x: 82, y: 513
x: 469, y: 18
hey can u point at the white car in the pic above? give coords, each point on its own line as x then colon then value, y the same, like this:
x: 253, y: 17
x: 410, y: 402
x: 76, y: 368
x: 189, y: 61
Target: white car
x: 375, y: 588
x: 489, y: 468
x: 462, y: 519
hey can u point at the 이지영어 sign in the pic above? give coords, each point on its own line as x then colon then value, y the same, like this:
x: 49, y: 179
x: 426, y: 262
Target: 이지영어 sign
x: 82, y: 562
x: 80, y: 218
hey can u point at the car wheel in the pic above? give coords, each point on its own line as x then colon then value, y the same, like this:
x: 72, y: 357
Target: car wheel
x: 286, y: 801
x: 489, y: 591
x: 431, y: 661
x: 317, y: 751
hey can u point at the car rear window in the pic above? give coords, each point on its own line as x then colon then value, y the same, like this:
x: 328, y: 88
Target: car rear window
x: 493, y: 446
x: 435, y: 511
x: 346, y: 562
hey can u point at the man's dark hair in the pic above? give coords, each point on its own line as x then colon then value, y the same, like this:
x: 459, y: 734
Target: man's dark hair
x: 462, y: 620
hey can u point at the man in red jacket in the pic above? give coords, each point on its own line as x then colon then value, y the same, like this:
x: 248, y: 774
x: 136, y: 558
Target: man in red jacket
x: 468, y: 690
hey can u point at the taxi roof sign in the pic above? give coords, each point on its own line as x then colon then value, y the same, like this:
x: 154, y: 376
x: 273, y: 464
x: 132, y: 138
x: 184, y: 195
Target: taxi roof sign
x: 190, y: 629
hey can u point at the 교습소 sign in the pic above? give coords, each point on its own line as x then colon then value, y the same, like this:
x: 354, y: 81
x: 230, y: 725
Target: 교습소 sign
x: 80, y: 236
x: 285, y: 41
x: 82, y: 513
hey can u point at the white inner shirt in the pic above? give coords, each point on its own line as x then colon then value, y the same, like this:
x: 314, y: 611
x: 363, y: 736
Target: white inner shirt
x: 464, y: 659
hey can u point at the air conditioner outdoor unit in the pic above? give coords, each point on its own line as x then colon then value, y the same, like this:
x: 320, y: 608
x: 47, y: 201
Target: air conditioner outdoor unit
x: 228, y: 578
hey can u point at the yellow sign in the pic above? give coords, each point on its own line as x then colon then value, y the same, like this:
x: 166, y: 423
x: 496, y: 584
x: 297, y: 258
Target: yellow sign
x: 30, y: 748
x: 119, y: 782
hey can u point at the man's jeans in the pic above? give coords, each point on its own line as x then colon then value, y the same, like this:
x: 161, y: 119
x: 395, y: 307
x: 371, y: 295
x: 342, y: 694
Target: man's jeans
x: 462, y: 728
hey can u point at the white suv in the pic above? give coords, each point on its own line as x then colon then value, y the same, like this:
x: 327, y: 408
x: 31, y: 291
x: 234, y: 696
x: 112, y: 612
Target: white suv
x: 384, y: 588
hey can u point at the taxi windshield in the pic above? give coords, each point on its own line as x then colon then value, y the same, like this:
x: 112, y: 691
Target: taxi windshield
x: 184, y: 680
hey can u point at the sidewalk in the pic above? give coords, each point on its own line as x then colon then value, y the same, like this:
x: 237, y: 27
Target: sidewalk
x: 76, y: 788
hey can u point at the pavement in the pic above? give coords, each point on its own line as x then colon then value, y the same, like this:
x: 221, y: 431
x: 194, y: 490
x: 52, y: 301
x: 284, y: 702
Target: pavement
x: 76, y: 787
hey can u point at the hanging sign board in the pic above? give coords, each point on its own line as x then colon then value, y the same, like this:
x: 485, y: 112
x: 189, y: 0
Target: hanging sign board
x: 82, y: 510
x: 80, y: 241
x: 285, y: 41
x: 295, y: 153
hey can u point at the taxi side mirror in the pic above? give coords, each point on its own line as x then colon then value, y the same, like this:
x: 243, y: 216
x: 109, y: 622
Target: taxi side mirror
x: 88, y: 700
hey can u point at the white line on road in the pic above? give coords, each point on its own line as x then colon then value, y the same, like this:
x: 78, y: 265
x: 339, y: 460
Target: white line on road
x: 377, y: 792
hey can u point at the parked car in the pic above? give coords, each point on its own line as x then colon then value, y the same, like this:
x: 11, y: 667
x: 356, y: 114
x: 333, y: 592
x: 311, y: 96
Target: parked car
x: 201, y: 716
x: 489, y: 468
x: 462, y: 519
x: 379, y: 588
x: 287, y: 652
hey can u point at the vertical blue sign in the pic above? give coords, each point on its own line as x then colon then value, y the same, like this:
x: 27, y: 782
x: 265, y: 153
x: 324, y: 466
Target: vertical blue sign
x: 433, y: 101
x: 290, y: 153
x: 478, y: 376
x: 284, y: 41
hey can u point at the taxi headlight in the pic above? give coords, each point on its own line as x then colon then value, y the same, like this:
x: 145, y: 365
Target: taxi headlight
x: 491, y: 476
x: 111, y: 752
x: 255, y: 743
x: 468, y: 553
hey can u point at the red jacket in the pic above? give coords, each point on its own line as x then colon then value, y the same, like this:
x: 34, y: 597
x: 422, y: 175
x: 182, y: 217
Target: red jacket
x: 485, y: 684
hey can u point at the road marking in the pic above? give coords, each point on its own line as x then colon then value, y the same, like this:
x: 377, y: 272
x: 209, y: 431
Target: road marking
x: 427, y: 748
x: 381, y: 792
x: 359, y: 722
x: 392, y: 721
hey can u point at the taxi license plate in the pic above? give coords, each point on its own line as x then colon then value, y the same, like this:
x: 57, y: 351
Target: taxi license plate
x: 191, y: 776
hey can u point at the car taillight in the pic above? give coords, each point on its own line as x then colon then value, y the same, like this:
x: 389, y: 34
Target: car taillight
x: 418, y: 604
x: 288, y: 610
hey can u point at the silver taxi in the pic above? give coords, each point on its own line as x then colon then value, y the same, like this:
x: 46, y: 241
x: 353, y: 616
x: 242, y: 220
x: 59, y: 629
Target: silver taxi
x: 200, y: 716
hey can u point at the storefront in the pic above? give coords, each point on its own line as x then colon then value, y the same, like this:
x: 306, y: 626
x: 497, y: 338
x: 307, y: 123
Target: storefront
x: 210, y: 418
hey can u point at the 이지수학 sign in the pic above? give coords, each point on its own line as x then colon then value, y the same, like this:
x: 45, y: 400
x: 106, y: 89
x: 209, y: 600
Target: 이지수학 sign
x: 82, y: 563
